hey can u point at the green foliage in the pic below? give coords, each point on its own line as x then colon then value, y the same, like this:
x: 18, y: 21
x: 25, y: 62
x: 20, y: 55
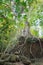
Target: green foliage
x: 14, y: 14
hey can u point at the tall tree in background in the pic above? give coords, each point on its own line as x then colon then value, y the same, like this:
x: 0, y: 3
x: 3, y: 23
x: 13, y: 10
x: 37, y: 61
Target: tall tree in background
x: 13, y: 16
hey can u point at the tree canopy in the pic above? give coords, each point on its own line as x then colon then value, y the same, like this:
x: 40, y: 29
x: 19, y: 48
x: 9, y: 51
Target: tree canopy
x: 14, y: 14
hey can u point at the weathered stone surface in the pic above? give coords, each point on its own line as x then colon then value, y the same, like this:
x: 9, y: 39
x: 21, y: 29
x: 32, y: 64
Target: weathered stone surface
x: 14, y: 58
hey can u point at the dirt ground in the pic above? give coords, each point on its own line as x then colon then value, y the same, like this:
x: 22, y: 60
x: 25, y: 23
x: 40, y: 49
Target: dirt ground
x: 38, y: 62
